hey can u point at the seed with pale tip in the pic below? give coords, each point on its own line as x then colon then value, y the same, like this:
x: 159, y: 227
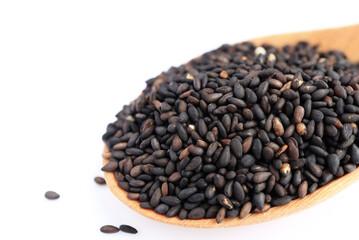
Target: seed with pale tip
x: 223, y: 74
x: 285, y: 169
x: 272, y: 57
x: 278, y: 127
x: 301, y: 129
x: 189, y: 76
x: 281, y: 150
x: 298, y: 114
x: 286, y: 86
x: 260, y: 50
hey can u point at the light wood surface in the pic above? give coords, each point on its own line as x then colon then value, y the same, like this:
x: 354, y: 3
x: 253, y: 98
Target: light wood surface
x: 345, y: 39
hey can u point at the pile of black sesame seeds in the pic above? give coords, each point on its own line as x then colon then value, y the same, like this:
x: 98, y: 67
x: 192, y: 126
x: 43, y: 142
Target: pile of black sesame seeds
x: 238, y: 130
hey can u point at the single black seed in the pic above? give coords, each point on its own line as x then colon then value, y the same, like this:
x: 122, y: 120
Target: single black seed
x: 251, y: 97
x: 210, y: 191
x: 297, y: 164
x: 197, y: 197
x: 212, y: 211
x: 162, y: 208
x: 193, y: 113
x: 182, y: 133
x: 128, y: 229
x: 233, y: 213
x: 238, y: 91
x: 281, y: 201
x: 236, y: 147
x: 221, y: 215
x: 224, y: 201
x: 197, y: 213
x: 268, y: 154
x: 260, y: 177
x: 317, y: 115
x: 124, y: 185
x: 347, y: 131
x: 258, y: 200
x: 219, y: 181
x: 109, y: 229
x: 146, y: 205
x: 211, y: 149
x: 319, y: 94
x: 246, y: 209
x: 228, y: 189
x: 111, y: 166
x: 258, y: 112
x: 157, y: 171
x: 347, y: 143
x: 333, y: 163
x: 196, y: 151
x: 137, y: 183
x: 290, y: 94
x: 280, y: 190
x: 350, y: 117
x: 51, y: 195
x: 221, y: 130
x: 100, y: 180
x: 354, y: 153
x: 266, y: 73
x: 187, y: 192
x: 303, y: 189
x: 156, y: 197
x: 194, y: 163
x: 173, y: 211
x: 257, y: 148
x: 134, y: 151
x: 182, y: 214
x: 247, y: 160
x: 171, y: 200
x: 224, y: 158
x: 297, y: 81
x: 214, y: 97
x: 202, y: 128
x: 315, y: 169
x: 318, y: 151
x: 349, y: 167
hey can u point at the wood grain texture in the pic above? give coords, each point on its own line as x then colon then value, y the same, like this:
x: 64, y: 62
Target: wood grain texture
x: 344, y: 39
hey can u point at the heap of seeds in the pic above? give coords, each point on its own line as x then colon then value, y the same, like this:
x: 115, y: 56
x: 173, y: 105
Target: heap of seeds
x: 239, y: 130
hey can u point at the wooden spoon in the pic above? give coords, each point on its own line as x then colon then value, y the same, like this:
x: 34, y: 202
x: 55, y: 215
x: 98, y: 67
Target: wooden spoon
x: 344, y: 39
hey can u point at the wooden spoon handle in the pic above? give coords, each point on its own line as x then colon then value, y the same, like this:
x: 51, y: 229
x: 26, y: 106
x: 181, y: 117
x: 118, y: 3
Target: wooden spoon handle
x: 345, y: 39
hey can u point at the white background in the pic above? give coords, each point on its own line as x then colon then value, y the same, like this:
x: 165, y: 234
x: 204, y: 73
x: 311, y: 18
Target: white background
x: 66, y: 69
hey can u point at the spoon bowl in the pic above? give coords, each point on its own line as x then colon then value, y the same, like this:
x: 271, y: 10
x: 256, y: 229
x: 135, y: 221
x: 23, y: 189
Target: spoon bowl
x: 343, y: 39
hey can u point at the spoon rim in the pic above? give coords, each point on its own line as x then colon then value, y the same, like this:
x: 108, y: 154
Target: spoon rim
x: 321, y: 194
